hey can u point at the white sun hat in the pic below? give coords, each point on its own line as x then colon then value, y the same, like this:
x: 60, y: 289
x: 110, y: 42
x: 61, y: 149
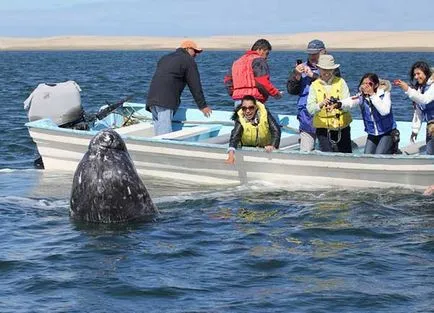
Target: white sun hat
x: 327, y: 62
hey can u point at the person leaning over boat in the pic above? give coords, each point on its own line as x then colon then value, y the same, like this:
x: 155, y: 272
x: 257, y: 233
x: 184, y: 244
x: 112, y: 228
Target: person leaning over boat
x: 250, y: 75
x: 423, y: 100
x: 174, y: 71
x: 332, y: 124
x: 376, y: 108
x: 298, y: 83
x: 254, y: 127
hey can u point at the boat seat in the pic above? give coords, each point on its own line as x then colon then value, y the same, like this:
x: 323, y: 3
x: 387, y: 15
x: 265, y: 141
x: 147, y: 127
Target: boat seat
x: 139, y: 129
x: 359, y: 142
x: 184, y: 133
x: 222, y: 139
x: 289, y: 142
x: 414, y: 148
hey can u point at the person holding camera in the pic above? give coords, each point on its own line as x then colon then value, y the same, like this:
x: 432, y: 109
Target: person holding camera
x: 422, y: 96
x: 332, y: 122
x: 298, y: 84
x: 376, y: 108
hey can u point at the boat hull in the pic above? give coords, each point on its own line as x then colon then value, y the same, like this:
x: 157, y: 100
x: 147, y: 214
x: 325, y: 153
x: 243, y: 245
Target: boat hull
x: 62, y: 149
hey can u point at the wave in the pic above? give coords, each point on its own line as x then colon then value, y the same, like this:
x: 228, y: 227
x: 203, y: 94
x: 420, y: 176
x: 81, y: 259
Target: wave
x: 37, y: 203
x: 12, y: 170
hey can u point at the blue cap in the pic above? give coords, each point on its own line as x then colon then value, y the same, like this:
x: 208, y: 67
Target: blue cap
x: 315, y: 46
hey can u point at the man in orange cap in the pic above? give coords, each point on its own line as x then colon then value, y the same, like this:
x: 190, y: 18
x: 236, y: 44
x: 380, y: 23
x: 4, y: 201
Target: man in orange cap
x: 174, y: 71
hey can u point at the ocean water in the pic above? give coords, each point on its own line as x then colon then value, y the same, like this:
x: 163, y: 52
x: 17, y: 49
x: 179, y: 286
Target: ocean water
x: 254, y: 248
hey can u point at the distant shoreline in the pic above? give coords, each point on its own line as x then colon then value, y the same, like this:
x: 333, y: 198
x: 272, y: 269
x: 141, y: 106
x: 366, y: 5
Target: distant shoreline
x: 411, y: 41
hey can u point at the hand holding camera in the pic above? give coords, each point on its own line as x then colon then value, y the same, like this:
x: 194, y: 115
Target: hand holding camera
x: 367, y: 89
x: 333, y: 103
x: 402, y: 84
x: 308, y: 71
x: 299, y: 69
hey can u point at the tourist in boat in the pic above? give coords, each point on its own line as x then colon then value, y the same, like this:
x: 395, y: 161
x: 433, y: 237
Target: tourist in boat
x: 174, y: 71
x: 376, y: 108
x: 422, y: 95
x: 298, y: 83
x: 332, y: 124
x: 254, y: 127
x: 250, y: 75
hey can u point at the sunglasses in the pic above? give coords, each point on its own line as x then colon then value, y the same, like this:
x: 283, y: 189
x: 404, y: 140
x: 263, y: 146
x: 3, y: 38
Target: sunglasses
x: 369, y: 83
x: 249, y: 108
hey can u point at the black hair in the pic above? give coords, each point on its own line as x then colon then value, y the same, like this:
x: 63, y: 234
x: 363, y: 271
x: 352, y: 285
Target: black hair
x: 424, y: 67
x: 249, y: 98
x: 372, y: 77
x: 261, y: 44
x: 246, y: 97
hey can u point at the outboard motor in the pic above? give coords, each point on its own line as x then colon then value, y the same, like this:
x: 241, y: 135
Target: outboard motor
x: 61, y: 102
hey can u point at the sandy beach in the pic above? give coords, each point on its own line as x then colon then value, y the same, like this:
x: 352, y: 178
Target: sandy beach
x: 360, y: 40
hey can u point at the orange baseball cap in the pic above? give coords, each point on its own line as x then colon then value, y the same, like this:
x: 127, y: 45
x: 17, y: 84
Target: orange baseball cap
x: 191, y: 44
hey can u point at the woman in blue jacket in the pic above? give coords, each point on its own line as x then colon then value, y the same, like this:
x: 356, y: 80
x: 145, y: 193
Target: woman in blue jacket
x: 376, y: 108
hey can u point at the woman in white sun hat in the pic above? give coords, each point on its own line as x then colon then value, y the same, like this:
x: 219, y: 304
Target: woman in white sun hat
x: 332, y: 123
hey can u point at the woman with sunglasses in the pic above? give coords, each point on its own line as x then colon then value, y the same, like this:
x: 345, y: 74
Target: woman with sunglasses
x: 376, y: 107
x: 254, y: 127
x: 422, y: 95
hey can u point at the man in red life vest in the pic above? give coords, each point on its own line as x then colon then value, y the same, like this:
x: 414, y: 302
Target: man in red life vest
x: 250, y: 75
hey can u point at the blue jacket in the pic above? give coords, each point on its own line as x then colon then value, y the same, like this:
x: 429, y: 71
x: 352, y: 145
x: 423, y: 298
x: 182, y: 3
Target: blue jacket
x: 428, y: 112
x: 302, y: 89
x: 375, y: 123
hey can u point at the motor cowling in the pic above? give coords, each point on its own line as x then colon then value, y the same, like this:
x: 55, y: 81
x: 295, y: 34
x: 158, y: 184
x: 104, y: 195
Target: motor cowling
x: 61, y: 102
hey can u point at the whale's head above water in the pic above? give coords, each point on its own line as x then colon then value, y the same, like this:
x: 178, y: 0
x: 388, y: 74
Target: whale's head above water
x: 106, y: 186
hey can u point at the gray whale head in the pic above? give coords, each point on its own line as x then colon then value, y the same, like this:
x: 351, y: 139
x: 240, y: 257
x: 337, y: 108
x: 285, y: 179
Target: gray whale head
x: 107, y: 139
x: 106, y: 187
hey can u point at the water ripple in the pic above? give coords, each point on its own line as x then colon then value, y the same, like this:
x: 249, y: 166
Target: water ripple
x: 253, y: 248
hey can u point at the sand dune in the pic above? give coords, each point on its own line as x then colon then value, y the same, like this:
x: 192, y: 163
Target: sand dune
x: 360, y: 40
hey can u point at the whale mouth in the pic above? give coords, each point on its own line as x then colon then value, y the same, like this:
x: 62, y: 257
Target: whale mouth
x: 116, y: 221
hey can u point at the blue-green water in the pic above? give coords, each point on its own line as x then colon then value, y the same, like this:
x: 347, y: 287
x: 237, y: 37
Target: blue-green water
x: 256, y: 248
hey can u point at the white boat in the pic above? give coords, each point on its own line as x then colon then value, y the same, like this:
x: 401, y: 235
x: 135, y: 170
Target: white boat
x: 196, y: 151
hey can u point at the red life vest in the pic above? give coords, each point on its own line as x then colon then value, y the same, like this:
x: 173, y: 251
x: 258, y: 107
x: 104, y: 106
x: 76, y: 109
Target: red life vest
x: 244, y: 79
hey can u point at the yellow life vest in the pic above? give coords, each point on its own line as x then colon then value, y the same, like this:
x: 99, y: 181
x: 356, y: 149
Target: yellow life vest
x: 259, y: 135
x: 334, y: 119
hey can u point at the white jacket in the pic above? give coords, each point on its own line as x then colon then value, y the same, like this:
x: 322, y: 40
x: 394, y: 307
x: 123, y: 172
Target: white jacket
x: 421, y: 100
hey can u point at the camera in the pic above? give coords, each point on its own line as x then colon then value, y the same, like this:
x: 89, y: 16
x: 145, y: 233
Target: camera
x: 299, y: 61
x: 334, y: 100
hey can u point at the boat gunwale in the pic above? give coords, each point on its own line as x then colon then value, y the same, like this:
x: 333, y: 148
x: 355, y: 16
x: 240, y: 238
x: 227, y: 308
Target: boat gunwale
x: 49, y: 125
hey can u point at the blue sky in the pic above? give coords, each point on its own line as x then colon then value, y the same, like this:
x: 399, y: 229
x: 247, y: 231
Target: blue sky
x: 34, y: 18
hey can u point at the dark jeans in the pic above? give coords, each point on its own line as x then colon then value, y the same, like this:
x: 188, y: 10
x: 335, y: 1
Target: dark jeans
x: 342, y: 144
x: 382, y: 144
